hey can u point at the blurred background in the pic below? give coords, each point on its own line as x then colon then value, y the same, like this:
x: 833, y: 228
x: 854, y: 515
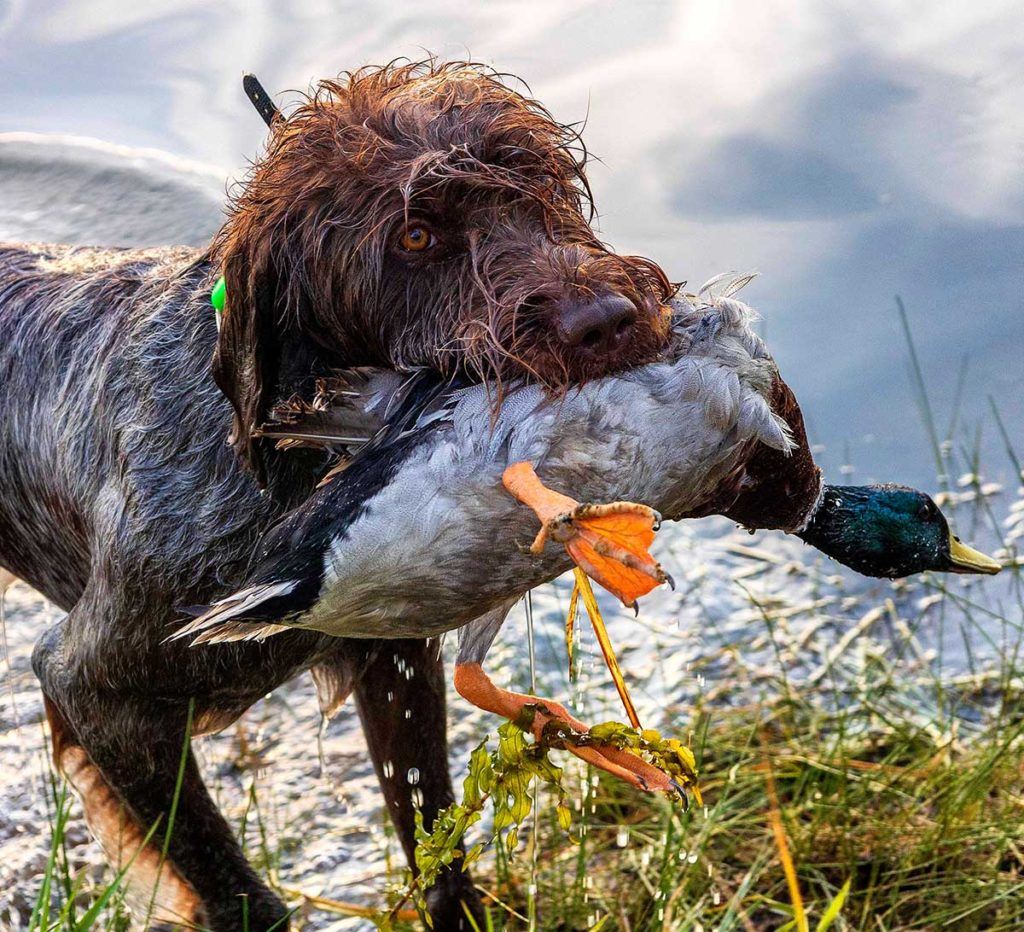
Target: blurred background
x: 847, y: 151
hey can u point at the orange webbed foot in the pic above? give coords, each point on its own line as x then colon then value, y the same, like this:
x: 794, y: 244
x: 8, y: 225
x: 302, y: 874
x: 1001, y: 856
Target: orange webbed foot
x: 608, y: 542
x: 552, y: 724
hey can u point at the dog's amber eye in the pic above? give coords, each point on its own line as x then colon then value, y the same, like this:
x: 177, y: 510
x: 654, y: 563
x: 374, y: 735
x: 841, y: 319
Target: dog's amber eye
x: 416, y: 238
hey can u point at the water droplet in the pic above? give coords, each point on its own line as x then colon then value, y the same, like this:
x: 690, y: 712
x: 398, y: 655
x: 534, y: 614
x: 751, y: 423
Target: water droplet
x: 408, y: 673
x: 417, y: 798
x: 408, y: 713
x: 692, y: 857
x: 389, y: 769
x: 622, y: 836
x: 645, y: 857
x: 531, y: 889
x: 716, y: 897
x: 391, y: 697
x: 682, y: 856
x: 413, y: 776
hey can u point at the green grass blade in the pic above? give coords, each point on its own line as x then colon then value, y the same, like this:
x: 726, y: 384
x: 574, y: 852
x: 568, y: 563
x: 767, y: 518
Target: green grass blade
x: 831, y: 914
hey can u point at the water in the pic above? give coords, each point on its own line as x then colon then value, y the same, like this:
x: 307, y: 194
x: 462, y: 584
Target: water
x: 847, y: 152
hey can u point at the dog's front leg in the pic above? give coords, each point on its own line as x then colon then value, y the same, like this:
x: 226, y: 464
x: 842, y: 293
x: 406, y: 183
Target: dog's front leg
x: 123, y: 750
x: 399, y: 688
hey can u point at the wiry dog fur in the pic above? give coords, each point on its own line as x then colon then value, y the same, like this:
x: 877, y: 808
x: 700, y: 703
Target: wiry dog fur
x: 121, y: 500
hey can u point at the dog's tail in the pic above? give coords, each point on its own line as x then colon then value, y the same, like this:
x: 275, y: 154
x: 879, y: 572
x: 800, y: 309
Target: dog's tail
x: 242, y: 616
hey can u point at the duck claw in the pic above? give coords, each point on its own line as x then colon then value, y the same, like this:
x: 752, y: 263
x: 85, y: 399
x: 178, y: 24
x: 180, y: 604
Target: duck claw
x: 681, y: 793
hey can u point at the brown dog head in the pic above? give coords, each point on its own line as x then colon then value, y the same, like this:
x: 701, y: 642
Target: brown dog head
x: 423, y: 215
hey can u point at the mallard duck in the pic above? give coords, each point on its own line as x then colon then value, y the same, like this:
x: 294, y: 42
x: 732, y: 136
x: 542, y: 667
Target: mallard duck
x: 415, y: 532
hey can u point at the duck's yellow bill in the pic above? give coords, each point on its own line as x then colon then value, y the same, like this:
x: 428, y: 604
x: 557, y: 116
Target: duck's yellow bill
x: 966, y: 559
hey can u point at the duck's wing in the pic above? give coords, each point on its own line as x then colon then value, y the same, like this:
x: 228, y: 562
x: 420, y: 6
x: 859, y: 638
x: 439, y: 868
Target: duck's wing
x: 338, y: 418
x: 357, y: 409
x: 363, y: 415
x: 348, y: 410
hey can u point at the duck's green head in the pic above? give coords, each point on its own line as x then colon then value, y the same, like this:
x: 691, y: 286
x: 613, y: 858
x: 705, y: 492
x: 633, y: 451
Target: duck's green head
x: 889, y: 531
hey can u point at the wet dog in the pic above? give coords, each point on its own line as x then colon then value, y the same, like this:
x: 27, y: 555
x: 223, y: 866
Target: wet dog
x: 411, y: 215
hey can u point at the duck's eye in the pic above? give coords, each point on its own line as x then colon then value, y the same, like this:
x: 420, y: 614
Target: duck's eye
x: 926, y: 512
x: 417, y: 238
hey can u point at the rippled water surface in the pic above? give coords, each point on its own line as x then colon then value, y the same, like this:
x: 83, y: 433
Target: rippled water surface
x: 847, y: 151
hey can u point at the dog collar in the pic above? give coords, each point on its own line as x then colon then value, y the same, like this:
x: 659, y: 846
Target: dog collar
x: 218, y: 297
x: 267, y: 109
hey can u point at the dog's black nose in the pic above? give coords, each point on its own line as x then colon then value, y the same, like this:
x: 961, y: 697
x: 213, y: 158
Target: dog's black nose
x: 598, y: 327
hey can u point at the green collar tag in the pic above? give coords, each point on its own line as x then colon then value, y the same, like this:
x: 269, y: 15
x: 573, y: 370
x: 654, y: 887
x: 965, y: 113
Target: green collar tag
x: 218, y: 298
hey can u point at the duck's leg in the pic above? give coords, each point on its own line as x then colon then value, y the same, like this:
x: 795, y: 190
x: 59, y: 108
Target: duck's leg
x: 474, y: 685
x: 608, y: 542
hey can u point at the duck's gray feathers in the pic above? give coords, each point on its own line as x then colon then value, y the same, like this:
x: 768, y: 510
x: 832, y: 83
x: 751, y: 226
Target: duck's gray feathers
x: 476, y: 638
x: 715, y: 359
x: 717, y: 374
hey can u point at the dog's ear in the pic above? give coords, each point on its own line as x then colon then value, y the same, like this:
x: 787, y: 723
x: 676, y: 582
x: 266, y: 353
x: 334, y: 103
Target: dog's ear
x: 245, y: 343
x: 246, y: 356
x: 264, y: 353
x: 266, y: 350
